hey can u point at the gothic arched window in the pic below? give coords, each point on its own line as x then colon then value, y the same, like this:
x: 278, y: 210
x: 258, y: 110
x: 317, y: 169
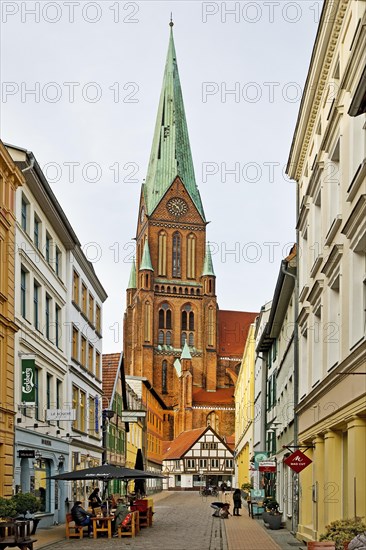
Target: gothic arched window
x: 165, y: 322
x: 168, y: 338
x: 183, y: 338
x: 191, y: 256
x: 162, y: 254
x: 184, y: 320
x: 161, y: 337
x: 191, y: 320
x: 191, y: 340
x: 168, y: 319
x: 176, y: 256
x: 147, y: 322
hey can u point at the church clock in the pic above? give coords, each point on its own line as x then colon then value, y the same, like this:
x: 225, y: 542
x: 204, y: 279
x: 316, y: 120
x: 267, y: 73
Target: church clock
x: 177, y: 206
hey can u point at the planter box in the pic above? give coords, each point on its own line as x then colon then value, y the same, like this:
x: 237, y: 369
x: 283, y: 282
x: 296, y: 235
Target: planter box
x: 274, y: 522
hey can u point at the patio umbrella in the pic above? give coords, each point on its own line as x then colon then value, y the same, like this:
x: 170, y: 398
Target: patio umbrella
x: 105, y: 473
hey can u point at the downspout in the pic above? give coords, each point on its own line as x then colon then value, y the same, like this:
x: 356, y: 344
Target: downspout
x: 295, y: 478
x: 31, y: 163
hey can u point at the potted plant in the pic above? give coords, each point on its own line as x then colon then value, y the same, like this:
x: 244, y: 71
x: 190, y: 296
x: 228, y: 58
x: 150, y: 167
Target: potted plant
x: 246, y: 488
x: 272, y: 516
x: 7, y: 509
x: 27, y: 504
x: 343, y: 531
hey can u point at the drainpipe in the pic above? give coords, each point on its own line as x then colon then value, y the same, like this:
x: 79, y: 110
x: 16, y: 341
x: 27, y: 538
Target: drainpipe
x: 30, y: 166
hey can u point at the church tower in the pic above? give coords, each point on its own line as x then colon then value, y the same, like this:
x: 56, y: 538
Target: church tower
x: 171, y: 309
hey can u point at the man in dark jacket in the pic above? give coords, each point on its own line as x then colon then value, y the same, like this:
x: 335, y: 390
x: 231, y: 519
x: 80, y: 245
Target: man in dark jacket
x: 81, y: 517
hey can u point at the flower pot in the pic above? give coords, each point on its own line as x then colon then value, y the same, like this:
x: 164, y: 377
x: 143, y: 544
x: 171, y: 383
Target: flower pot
x: 274, y: 521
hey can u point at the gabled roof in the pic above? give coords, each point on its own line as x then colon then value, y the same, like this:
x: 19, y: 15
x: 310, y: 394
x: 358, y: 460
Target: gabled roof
x: 233, y: 332
x: 230, y: 441
x: 171, y: 152
x: 181, y: 445
x: 222, y: 396
x: 110, y: 364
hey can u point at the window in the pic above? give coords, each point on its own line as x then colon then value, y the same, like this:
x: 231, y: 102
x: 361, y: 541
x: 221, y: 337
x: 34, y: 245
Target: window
x: 48, y: 316
x: 48, y: 247
x: 162, y: 254
x: 48, y: 390
x: 214, y: 462
x: 191, y: 463
x: 91, y: 415
x: 75, y: 289
x: 191, y: 256
x: 183, y: 338
x: 97, y: 319
x: 90, y: 358
x: 84, y: 298
x: 75, y: 399
x: 75, y: 343
x: 168, y: 338
x: 164, y: 376
x: 58, y: 396
x: 36, y: 293
x: 176, y: 259
x: 24, y: 214
x: 203, y: 463
x: 82, y: 410
x: 57, y: 325
x: 229, y: 463
x: 191, y: 339
x: 161, y: 337
x: 164, y: 322
x: 187, y: 322
x: 97, y: 365
x: 83, y: 351
x: 23, y: 293
x: 58, y: 260
x: 91, y: 309
x: 37, y: 229
x: 147, y: 322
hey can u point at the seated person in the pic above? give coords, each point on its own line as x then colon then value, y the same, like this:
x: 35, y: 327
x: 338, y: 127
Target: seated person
x: 217, y: 507
x: 94, y: 499
x: 224, y: 512
x: 81, y: 517
x: 119, y: 515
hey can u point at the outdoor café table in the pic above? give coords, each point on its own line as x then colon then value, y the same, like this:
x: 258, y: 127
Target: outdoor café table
x: 102, y: 525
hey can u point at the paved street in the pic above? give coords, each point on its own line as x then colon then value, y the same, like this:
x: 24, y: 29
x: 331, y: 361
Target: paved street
x: 183, y: 521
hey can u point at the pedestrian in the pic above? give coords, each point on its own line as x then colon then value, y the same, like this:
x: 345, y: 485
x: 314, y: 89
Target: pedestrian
x: 81, y: 517
x: 223, y: 488
x: 224, y: 512
x: 237, y: 502
x: 94, y: 499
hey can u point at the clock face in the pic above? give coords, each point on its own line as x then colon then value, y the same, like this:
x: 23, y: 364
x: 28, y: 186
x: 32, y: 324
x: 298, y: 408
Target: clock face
x: 142, y: 214
x: 177, y: 206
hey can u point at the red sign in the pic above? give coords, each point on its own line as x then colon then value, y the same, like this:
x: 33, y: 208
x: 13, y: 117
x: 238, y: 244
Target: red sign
x: 267, y: 466
x: 298, y: 461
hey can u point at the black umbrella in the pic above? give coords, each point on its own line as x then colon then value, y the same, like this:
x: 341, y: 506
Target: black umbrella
x: 139, y: 465
x: 105, y: 472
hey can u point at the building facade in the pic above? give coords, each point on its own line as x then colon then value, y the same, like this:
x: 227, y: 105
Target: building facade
x: 327, y: 160
x: 197, y: 458
x: 52, y: 425
x: 171, y: 296
x: 10, y: 179
x: 244, y: 412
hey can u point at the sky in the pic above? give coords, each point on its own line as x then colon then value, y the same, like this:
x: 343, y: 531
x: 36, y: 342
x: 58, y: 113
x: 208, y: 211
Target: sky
x: 80, y: 86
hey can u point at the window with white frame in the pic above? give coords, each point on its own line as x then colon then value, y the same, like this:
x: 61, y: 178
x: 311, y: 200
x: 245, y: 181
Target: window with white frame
x: 191, y: 463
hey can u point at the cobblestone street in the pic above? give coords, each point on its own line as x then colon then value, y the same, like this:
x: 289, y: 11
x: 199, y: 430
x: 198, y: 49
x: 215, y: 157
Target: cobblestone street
x: 182, y: 521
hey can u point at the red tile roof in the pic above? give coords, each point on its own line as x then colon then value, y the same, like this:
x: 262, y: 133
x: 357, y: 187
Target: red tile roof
x: 233, y: 331
x: 110, y: 363
x: 180, y: 445
x: 218, y: 397
x: 230, y: 441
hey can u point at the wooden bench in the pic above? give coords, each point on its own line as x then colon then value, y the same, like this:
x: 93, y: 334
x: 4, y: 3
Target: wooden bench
x: 131, y: 528
x: 16, y: 534
x: 73, y: 530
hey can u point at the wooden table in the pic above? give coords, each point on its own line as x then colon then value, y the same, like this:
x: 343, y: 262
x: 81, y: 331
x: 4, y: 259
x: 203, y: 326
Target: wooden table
x: 105, y: 525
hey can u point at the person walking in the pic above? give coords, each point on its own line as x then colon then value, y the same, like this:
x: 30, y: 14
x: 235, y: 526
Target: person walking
x: 237, y: 502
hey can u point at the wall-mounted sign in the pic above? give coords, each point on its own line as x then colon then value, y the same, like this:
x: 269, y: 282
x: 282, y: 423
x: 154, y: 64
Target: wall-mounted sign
x: 259, y: 456
x: 26, y: 453
x: 267, y: 466
x: 128, y: 415
x: 28, y: 382
x: 60, y: 415
x: 298, y: 461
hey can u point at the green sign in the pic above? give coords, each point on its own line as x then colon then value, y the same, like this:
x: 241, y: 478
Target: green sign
x: 259, y: 456
x: 28, y: 381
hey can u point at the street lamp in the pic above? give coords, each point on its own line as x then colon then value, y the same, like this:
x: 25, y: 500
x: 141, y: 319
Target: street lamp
x: 107, y: 415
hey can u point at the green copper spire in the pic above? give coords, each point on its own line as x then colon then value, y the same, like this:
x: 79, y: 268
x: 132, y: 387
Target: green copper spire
x: 146, y: 258
x: 208, y: 265
x: 170, y: 153
x: 132, y: 280
x: 186, y: 354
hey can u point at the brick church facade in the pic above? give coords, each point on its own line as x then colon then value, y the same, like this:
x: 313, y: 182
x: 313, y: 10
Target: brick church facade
x: 174, y: 333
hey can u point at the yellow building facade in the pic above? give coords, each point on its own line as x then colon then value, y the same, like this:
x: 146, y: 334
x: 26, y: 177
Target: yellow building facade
x: 244, y: 411
x: 10, y: 179
x: 327, y: 161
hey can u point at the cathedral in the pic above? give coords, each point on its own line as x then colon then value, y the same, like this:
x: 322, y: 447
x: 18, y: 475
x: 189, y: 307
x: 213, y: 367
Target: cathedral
x: 174, y: 333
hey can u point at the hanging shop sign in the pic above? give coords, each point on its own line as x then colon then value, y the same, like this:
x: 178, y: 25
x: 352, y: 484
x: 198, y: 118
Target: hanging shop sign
x: 267, y: 466
x: 28, y: 381
x: 26, y: 453
x: 59, y: 415
x: 297, y: 461
x: 259, y: 456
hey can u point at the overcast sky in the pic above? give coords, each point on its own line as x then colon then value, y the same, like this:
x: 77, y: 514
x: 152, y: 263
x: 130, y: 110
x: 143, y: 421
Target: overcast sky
x: 96, y: 71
